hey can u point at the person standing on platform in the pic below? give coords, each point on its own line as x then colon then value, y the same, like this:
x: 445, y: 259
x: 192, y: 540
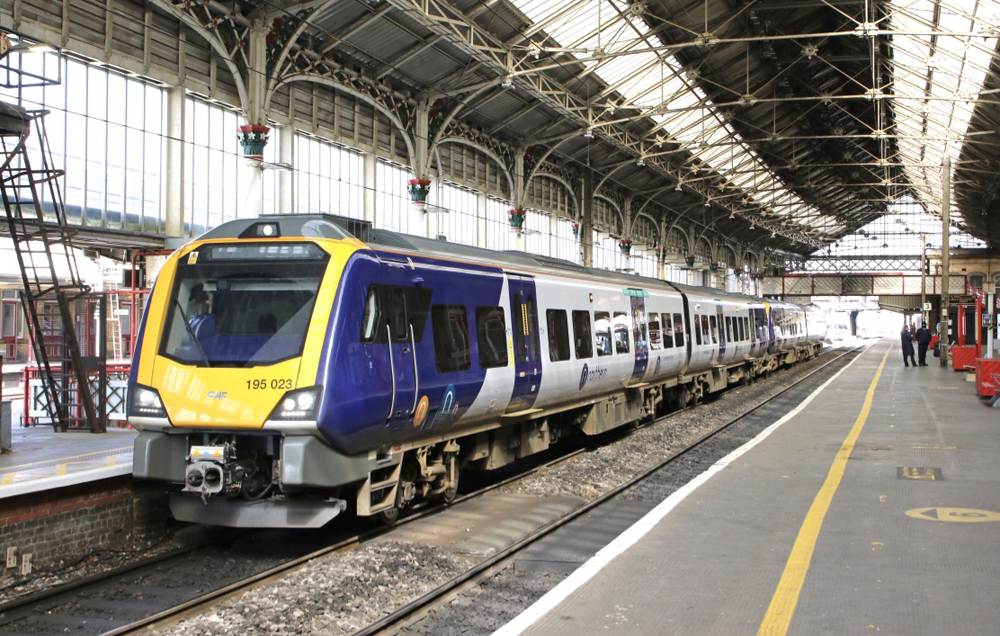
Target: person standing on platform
x: 923, y: 338
x: 907, y: 340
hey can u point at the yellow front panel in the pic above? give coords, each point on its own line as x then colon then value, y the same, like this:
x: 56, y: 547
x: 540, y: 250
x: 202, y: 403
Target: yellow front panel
x: 227, y: 396
x: 222, y: 396
x: 339, y: 253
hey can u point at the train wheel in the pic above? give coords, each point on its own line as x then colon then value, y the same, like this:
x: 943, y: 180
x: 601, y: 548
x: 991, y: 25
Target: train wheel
x: 683, y: 397
x: 449, y: 494
x: 388, y: 517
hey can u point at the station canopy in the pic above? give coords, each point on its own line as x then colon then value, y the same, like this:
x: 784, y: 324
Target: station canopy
x: 780, y: 124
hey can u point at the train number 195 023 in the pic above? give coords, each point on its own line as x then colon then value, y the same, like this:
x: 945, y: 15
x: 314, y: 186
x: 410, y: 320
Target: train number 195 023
x: 274, y: 383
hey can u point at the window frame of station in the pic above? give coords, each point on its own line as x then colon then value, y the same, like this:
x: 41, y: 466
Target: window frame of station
x: 103, y: 130
x: 212, y: 200
x: 320, y: 167
x: 11, y: 322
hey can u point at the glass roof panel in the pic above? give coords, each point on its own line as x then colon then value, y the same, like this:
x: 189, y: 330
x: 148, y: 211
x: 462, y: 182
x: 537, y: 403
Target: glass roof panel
x: 683, y: 111
x: 941, y: 52
x: 937, y: 81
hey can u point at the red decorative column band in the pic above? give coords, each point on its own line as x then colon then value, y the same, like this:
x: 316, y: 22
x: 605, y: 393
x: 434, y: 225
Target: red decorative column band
x: 253, y: 138
x: 516, y: 219
x: 419, y: 189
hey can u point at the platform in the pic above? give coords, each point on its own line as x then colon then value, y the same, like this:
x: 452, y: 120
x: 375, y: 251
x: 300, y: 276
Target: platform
x: 42, y: 459
x: 873, y: 507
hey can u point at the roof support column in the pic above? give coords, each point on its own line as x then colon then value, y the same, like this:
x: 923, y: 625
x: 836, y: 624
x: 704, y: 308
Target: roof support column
x: 943, y: 340
x: 553, y: 235
x: 286, y: 178
x: 587, y: 220
x: 481, y: 206
x: 420, y: 185
x: 253, y: 135
x: 174, y: 204
x: 370, y: 169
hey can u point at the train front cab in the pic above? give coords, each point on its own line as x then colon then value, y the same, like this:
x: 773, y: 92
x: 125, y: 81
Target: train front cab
x: 224, y: 386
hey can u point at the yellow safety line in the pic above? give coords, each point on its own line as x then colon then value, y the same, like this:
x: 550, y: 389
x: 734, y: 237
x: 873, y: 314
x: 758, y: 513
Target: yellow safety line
x: 49, y: 461
x: 7, y: 479
x: 60, y: 469
x: 112, y: 460
x: 786, y: 597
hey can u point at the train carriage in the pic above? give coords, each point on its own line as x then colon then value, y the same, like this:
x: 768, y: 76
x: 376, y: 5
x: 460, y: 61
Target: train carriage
x: 291, y: 367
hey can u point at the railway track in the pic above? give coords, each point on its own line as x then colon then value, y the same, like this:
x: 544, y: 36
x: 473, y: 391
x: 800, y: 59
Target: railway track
x: 156, y: 594
x: 421, y: 608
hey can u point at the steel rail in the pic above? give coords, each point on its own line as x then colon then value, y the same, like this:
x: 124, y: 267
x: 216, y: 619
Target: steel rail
x: 356, y: 540
x: 400, y: 616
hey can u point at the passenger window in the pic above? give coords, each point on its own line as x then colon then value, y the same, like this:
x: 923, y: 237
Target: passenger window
x: 602, y: 332
x: 668, y: 332
x: 678, y: 330
x: 715, y: 329
x: 491, y: 330
x: 532, y: 333
x: 397, y: 316
x: 451, y: 338
x: 581, y: 333
x: 729, y: 329
x: 621, y: 333
x: 654, y: 331
x: 371, y: 318
x: 555, y: 321
x: 697, y: 330
x: 420, y: 304
x: 706, y: 338
x: 520, y: 318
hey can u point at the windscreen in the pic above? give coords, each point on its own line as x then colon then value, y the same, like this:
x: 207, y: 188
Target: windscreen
x: 242, y: 305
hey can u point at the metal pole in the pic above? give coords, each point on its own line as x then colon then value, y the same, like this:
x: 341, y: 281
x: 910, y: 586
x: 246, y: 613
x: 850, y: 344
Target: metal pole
x: 945, y: 271
x: 989, y: 332
x: 923, y: 279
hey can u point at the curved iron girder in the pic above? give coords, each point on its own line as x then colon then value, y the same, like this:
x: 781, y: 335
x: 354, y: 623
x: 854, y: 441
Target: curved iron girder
x: 462, y: 32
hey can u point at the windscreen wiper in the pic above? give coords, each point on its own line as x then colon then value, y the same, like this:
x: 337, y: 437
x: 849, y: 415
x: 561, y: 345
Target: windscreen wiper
x: 190, y: 330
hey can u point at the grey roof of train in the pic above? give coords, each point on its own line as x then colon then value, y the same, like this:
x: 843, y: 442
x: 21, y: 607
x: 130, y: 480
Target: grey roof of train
x: 339, y: 227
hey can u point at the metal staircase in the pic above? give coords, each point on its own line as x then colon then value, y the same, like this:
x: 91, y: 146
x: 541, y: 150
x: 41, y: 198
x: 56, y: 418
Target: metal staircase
x: 54, y: 297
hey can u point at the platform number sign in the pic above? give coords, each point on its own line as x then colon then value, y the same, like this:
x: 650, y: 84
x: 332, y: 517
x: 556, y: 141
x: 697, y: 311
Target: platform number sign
x: 987, y: 321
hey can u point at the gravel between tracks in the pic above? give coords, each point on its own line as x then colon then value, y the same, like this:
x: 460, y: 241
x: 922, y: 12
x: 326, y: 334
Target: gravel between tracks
x: 343, y: 593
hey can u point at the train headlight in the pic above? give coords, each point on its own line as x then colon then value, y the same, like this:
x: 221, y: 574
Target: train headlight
x: 301, y: 404
x: 144, y: 401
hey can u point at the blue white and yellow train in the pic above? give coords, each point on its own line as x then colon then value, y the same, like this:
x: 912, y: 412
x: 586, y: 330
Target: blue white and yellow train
x: 289, y: 368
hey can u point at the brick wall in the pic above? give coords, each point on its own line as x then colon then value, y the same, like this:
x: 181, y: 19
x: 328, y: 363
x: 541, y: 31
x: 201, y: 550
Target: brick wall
x: 60, y: 527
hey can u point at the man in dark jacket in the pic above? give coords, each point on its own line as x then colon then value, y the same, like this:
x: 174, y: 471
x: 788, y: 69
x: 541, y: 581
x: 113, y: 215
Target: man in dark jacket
x: 907, y: 340
x: 923, y: 338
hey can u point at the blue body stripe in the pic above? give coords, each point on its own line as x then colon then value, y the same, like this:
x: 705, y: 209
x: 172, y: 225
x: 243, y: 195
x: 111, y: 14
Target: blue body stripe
x: 356, y: 377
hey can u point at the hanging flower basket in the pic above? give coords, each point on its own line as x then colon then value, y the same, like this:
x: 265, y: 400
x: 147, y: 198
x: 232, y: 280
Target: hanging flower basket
x: 253, y: 138
x: 689, y: 259
x: 419, y: 189
x: 625, y: 245
x: 516, y: 219
x: 576, y: 230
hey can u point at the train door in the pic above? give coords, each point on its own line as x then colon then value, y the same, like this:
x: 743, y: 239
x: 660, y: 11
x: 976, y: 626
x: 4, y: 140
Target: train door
x: 722, y: 333
x: 403, y: 304
x: 639, y: 336
x: 527, y: 359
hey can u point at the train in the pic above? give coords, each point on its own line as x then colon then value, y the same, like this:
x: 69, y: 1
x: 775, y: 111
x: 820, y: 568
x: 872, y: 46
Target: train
x: 290, y: 368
